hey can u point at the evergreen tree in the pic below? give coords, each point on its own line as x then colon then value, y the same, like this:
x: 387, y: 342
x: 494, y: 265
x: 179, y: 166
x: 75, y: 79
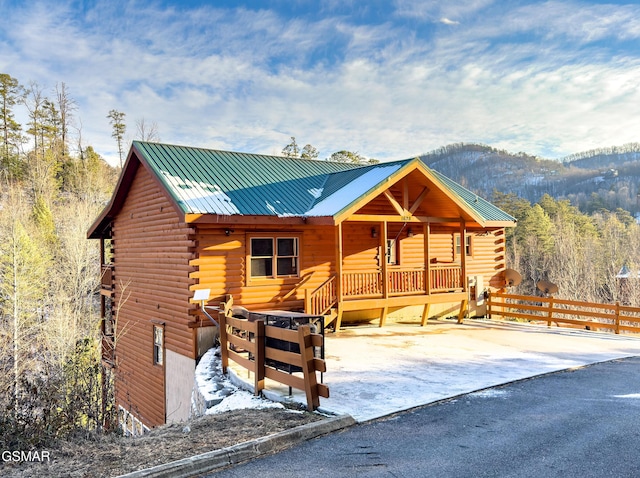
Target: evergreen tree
x: 309, y: 152
x: 291, y: 150
x: 11, y: 94
x: 119, y: 129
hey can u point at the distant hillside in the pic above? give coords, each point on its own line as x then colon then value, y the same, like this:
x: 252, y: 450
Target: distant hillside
x: 604, y: 178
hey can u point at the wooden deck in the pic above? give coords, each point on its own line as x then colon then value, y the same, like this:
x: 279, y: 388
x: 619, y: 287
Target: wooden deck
x: 395, y: 287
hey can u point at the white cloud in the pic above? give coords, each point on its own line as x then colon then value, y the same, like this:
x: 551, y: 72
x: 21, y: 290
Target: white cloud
x: 539, y: 78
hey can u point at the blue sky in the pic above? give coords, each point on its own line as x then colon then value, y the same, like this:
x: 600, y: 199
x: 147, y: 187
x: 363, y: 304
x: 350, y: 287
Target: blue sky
x: 388, y: 79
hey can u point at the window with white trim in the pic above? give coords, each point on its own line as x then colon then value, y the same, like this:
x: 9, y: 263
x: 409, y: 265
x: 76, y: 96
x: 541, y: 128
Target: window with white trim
x: 274, y: 257
x: 468, y: 246
x: 392, y: 252
x: 158, y: 345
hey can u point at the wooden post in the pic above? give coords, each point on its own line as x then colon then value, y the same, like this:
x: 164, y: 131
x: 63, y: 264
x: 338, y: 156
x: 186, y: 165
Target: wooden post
x: 339, y: 275
x: 383, y: 258
x: 383, y: 315
x: 258, y: 358
x: 307, y: 301
x: 405, y: 195
x: 103, y: 300
x: 463, y: 310
x: 427, y: 262
x: 463, y: 254
x: 224, y: 352
x: 308, y: 367
x: 617, y: 317
x: 425, y: 314
x: 339, y: 316
x: 550, y: 313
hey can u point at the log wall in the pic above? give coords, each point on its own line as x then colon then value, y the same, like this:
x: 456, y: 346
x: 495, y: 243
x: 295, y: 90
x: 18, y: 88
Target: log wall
x: 221, y: 260
x: 221, y: 263
x: 152, y: 249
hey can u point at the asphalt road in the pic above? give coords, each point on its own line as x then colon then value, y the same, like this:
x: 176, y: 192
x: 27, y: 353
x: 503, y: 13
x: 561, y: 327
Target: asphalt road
x: 578, y: 423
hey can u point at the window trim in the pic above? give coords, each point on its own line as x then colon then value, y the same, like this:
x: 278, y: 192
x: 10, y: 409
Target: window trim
x: 457, y: 246
x: 274, y: 278
x: 158, y: 347
x: 392, y: 252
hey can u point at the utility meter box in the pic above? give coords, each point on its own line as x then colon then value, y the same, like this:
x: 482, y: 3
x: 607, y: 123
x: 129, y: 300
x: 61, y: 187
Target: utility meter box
x: 476, y: 289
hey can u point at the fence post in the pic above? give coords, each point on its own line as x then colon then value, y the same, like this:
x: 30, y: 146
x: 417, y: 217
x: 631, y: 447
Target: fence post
x: 308, y: 367
x: 258, y: 358
x: 224, y: 352
x: 550, y: 316
x: 489, y: 296
x: 617, y: 317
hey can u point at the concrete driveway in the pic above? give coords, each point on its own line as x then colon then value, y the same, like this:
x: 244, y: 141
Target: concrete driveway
x: 373, y: 372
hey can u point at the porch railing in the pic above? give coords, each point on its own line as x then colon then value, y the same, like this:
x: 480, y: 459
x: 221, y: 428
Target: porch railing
x: 443, y: 278
x: 405, y: 281
x: 446, y: 278
x: 360, y: 284
x: 321, y: 300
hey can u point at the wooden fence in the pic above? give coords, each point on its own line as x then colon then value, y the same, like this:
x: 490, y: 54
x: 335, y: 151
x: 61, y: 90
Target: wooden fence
x: 587, y: 315
x: 247, y: 343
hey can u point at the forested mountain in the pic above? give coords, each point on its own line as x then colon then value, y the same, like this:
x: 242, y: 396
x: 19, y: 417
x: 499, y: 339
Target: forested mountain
x: 52, y: 381
x: 594, y: 180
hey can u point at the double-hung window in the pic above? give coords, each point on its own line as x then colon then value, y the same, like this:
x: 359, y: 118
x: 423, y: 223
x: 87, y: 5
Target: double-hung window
x: 392, y: 252
x: 158, y: 345
x: 468, y: 245
x: 274, y: 257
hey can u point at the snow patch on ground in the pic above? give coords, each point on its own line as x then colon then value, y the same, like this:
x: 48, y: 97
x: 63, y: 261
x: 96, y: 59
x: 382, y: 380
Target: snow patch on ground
x: 241, y: 399
x: 373, y: 372
x: 215, y: 393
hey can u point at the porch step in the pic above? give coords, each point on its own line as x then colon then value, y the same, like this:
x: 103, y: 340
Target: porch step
x: 330, y: 317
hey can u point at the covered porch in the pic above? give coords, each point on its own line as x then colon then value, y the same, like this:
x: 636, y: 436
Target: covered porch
x: 408, y: 242
x: 391, y: 264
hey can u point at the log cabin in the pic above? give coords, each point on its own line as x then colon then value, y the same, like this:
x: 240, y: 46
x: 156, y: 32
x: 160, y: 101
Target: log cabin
x: 347, y: 241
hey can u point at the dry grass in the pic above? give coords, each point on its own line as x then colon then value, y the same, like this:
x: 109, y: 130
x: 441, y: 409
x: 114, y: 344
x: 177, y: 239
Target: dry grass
x: 108, y: 456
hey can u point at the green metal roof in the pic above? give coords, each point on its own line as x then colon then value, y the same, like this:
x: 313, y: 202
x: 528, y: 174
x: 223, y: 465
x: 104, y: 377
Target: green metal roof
x: 484, y: 208
x: 204, y: 181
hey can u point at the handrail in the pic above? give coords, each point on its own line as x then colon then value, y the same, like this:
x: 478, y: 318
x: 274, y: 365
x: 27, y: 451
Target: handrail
x: 322, y: 299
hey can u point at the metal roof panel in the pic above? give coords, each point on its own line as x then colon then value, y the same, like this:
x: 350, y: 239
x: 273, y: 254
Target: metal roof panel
x: 204, y: 181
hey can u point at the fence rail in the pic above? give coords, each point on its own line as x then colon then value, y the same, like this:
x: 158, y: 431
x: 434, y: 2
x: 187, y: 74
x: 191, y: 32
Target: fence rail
x: 247, y: 344
x: 589, y: 315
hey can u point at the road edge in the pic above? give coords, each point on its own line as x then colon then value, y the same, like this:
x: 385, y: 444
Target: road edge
x: 232, y: 455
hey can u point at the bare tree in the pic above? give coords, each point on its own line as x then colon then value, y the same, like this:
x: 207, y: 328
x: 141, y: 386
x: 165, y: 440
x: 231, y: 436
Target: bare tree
x: 35, y: 103
x: 147, y: 132
x: 66, y: 107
